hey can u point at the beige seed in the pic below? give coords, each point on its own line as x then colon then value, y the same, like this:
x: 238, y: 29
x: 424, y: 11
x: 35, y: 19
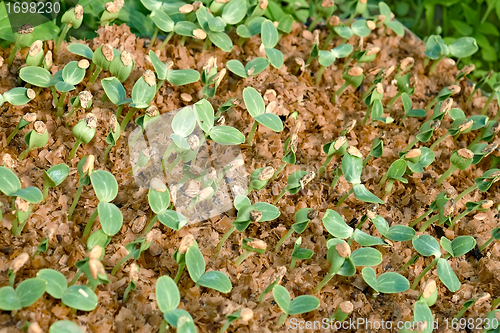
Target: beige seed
x: 271, y: 107
x: 467, y: 69
x: 355, y: 71
x: 429, y: 288
x: 381, y: 18
x: 152, y: 111
x: 138, y: 224
x: 19, y: 262
x: 465, y: 125
x: 390, y: 70
x: 111, y: 7
x: 158, y: 185
x: 96, y: 252
x: 126, y: 58
x: 327, y: 3
x: 134, y: 272
x: 85, y: 97
x: 465, y: 153
x: 149, y: 77
x: 22, y: 205
x: 94, y: 267
x: 312, y: 214
x: 354, y: 151
x: 379, y: 88
x: 199, y: 34
x: 346, y: 307
x: 266, y: 173
x: 371, y: 25
x: 91, y: 120
x: 30, y: 93
x: 316, y: 36
x: 88, y: 166
x: 1, y: 61
x: 7, y: 161
x: 449, y: 207
x: 25, y: 29
x: 48, y: 58
x: 489, y: 149
x: 257, y: 244
x: 186, y: 97
x: 119, y: 3
x: 212, y: 62
x: 205, y: 193
x: 480, y: 216
x: 373, y: 50
x: 246, y: 314
x: 35, y: 48
x: 107, y: 51
x: 263, y: 4
x: 193, y: 142
x: 447, y: 104
x: 34, y: 328
x: 341, y: 140
x: 83, y: 64
x: 185, y: 9
x: 40, y: 127
x: 307, y: 179
x: 218, y: 78
x: 307, y: 35
x: 197, y: 5
x: 454, y: 89
x: 186, y: 243
x: 487, y: 204
x: 413, y: 153
x: 349, y: 126
x: 435, y: 124
x: 343, y: 249
x: 255, y: 215
x: 78, y: 12
x: 495, y: 128
x: 334, y: 21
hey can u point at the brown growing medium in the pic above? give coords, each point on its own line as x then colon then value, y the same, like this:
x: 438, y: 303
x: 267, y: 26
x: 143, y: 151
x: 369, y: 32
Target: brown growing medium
x: 321, y: 123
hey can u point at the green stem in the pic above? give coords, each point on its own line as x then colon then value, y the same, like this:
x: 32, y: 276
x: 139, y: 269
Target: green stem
x: 430, y: 105
x: 45, y: 192
x: 127, y: 292
x: 410, y: 145
x: 485, y: 245
x: 163, y: 326
x: 282, y: 193
x: 75, y: 147
x: 12, y: 55
x: 12, y: 135
x: 12, y: 278
x: 127, y: 118
x: 77, y: 276
x: 166, y: 155
x: 383, y: 180
x: 62, y: 36
x: 323, y: 167
x: 150, y: 225
x: 106, y: 153
x: 328, y: 40
x: 292, y: 263
x: 23, y: 154
x: 410, y: 262
x: 434, y: 65
x: 389, y: 185
x: 428, y: 268
x: 281, y: 320
x: 223, y: 240
x: 241, y: 258
x: 179, y: 273
x: 174, y: 163
x: 490, y: 98
x: 278, y: 171
x: 367, y: 114
x: 336, y: 179
x: 367, y: 159
x: 313, y: 24
x: 119, y: 111
x: 458, y: 217
x: 447, y: 174
x: 207, y: 43
x: 438, y: 141
x: 325, y: 280
x: 488, y: 11
x: 95, y: 74
x: 60, y: 105
x: 428, y: 223
x: 88, y: 227
x: 252, y: 132
x: 319, y: 75
x: 338, y: 92
x: 183, y: 40
x: 54, y: 95
x: 393, y: 100
x: 423, y: 216
x: 121, y: 262
x: 165, y: 42
x: 465, y: 192
x: 345, y: 196
x: 75, y: 201
x: 283, y: 239
x: 153, y: 39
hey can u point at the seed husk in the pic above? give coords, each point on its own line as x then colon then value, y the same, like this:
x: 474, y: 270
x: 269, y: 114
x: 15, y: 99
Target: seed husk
x: 373, y: 50
x: 158, y: 185
x: 307, y: 178
x: 482, y: 298
x: 263, y: 4
x: 1, y: 61
x: 96, y: 252
x: 85, y: 97
x: 185, y: 9
x: 30, y: 93
x: 489, y: 149
x: 413, y: 153
x: 149, y: 77
x: 138, y: 224
x: 7, y: 161
x: 134, y: 272
x: 111, y: 7
x: 88, y: 166
x: 25, y: 29
x: 454, y: 89
x: 266, y: 173
x: 186, y: 243
x: 447, y: 104
x: 371, y: 25
x: 48, y: 58
x: 487, y: 204
x: 429, y: 288
x: 218, y: 78
x: 78, y: 12
x: 465, y: 153
x: 465, y: 125
x: 255, y: 215
x: 341, y: 140
x: 22, y: 204
x: 114, y: 123
x: 355, y: 71
x: 94, y: 267
x: 35, y: 48
x: 351, y: 150
x: 257, y: 244
x: 119, y: 3
x: 250, y: 71
x: 107, y: 51
x: 152, y: 111
x: 327, y: 3
x: 467, y: 69
x: 126, y: 58
x: 406, y: 62
x: 246, y: 314
x: 495, y: 128
x: 34, y: 328
x: 346, y: 307
x: 40, y: 127
x: 19, y: 262
x: 91, y: 120
x: 449, y: 207
x: 186, y: 97
x: 83, y: 64
x: 212, y: 62
x: 379, y: 88
x: 435, y: 124
x: 349, y: 126
x: 312, y: 214
x: 343, y: 249
x: 205, y: 193
x: 199, y: 34
x: 193, y: 141
x: 480, y: 216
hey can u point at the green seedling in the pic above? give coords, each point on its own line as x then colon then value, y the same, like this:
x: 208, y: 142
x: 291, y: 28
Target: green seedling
x: 443, y: 95
x: 244, y: 314
x: 388, y: 21
x: 84, y: 132
x: 316, y: 10
x: 436, y: 49
x: 132, y: 283
x: 425, y: 134
x: 168, y: 299
x: 493, y: 321
x: 344, y: 263
x: 180, y: 255
x: 35, y: 55
x: 427, y: 245
x: 482, y: 150
x: 487, y: 134
x: 116, y: 93
x: 299, y: 254
x: 386, y: 283
x: 43, y: 246
x: 380, y: 75
x: 163, y: 22
x: 122, y: 65
x: 430, y: 293
x: 460, y: 159
x: 367, y: 55
x: 302, y: 218
x: 335, y: 148
x: 15, y: 266
x: 111, y: 12
x: 290, y: 148
x: 481, y: 82
x: 470, y: 206
x: 79, y: 297
x: 396, y: 233
x: 213, y: 28
x: 327, y: 58
x: 82, y: 101
x: 210, y: 78
x: 17, y: 96
x: 113, y: 136
x: 495, y: 235
x: 41, y: 77
x: 84, y: 168
x: 375, y: 109
x: 422, y: 318
x: 270, y: 37
x: 151, y: 116
x: 159, y: 201
x: 23, y: 37
x: 259, y: 178
x: 53, y: 177
x: 73, y: 18
x: 404, y: 66
x: 275, y: 279
x: 101, y: 59
x: 406, y: 85
x: 343, y: 311
x: 38, y: 137
x: 92, y: 268
x: 72, y: 74
x: 105, y: 188
x: 296, y: 181
x: 353, y: 77
x: 23, y: 198
x: 443, y: 205
x: 352, y: 166
x: 300, y: 304
x: 361, y: 28
x: 250, y: 246
x: 376, y: 151
x: 25, y: 120
x: 261, y: 115
x: 462, y: 74
x: 143, y: 92
x: 248, y: 213
x: 25, y: 294
x: 396, y: 172
x: 177, y: 77
x: 252, y: 68
x: 314, y: 49
x: 63, y: 326
x: 467, y: 304
x: 135, y: 249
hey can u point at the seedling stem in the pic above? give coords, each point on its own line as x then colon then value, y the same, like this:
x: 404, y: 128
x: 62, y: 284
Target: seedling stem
x: 75, y: 147
x: 242, y: 257
x: 428, y: 223
x: 88, y: 227
x: 75, y: 201
x: 421, y: 217
x: 127, y: 118
x: 252, y: 132
x: 345, y: 196
x: 223, y: 240
x: 283, y: 239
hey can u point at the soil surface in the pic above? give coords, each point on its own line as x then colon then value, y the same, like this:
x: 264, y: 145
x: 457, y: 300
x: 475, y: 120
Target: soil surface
x: 321, y: 123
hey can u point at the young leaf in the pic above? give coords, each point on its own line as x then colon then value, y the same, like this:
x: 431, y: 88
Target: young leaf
x: 64, y: 326
x: 180, y: 77
x: 114, y: 90
x: 55, y: 175
x: 195, y: 263
x: 9, y: 182
x: 234, y: 11
x: 271, y: 121
x: 110, y: 216
x: 253, y: 102
x: 237, y: 68
x: 215, y: 280
x: 226, y: 135
x: 335, y: 225
x: 269, y: 34
x: 9, y: 300
x: 184, y: 122
x: 426, y: 245
x: 81, y: 50
x: 105, y: 185
x: 30, y: 290
x: 387, y: 283
x: 80, y: 297
x: 362, y: 193
x: 447, y: 275
x: 56, y: 282
x: 282, y: 297
x: 172, y: 219
x: 37, y: 76
x: 366, y: 256
x: 302, y: 304
x: 167, y: 294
